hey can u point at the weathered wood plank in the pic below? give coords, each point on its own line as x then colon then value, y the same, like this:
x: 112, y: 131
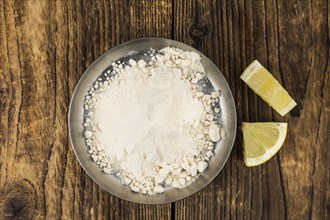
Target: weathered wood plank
x: 304, y: 68
x: 112, y: 24
x: 285, y: 37
x: 192, y: 25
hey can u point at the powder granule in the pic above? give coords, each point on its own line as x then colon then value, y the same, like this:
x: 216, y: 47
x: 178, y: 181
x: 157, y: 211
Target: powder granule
x: 150, y: 123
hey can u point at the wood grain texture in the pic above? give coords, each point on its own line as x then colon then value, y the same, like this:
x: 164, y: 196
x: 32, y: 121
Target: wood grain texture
x: 45, y: 46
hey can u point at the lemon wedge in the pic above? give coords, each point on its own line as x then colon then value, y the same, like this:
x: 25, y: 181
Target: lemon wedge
x: 262, y: 82
x: 261, y: 141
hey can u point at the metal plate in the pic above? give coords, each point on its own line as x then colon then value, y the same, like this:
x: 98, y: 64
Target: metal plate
x: 112, y: 184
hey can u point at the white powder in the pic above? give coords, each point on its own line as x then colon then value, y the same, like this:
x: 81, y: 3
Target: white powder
x: 149, y: 117
x: 151, y: 124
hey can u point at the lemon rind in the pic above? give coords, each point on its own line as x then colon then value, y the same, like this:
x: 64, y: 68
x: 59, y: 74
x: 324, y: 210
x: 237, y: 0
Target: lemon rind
x: 247, y: 73
x: 288, y: 108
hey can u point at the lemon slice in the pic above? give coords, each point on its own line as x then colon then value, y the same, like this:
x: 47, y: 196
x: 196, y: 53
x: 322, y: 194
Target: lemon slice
x: 261, y: 141
x: 262, y: 82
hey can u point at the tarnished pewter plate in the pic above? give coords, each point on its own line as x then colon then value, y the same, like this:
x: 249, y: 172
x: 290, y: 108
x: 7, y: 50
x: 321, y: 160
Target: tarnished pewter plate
x: 113, y: 184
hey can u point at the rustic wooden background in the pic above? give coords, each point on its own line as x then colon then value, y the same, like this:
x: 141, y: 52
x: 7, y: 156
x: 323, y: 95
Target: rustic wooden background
x: 47, y: 45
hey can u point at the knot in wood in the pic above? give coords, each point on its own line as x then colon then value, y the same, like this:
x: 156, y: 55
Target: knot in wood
x: 198, y: 31
x: 18, y: 200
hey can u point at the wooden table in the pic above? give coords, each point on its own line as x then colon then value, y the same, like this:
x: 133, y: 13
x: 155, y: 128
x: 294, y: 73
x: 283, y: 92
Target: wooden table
x: 47, y: 45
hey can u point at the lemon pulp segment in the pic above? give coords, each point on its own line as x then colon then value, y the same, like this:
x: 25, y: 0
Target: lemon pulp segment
x: 261, y: 141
